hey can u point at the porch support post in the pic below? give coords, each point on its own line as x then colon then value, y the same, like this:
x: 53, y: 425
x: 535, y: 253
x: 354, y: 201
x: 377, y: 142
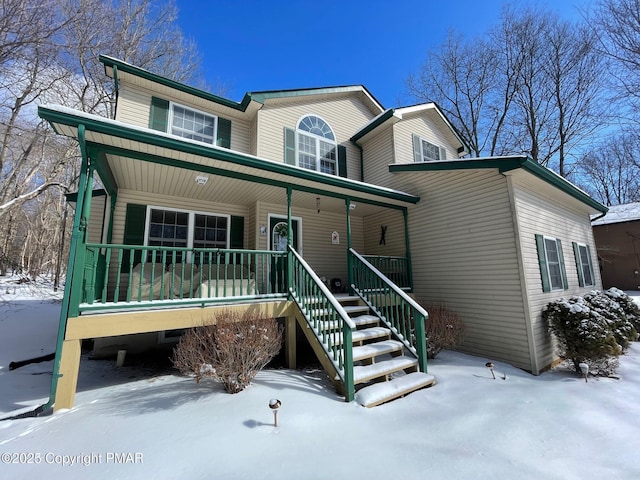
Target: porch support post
x: 69, y: 367
x: 289, y: 240
x: 347, y: 203
x: 290, y: 341
x: 405, y: 214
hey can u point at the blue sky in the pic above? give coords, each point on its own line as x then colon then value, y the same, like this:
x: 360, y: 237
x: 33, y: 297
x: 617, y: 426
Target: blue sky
x: 254, y: 45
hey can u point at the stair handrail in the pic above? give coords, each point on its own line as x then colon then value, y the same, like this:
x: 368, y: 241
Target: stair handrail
x: 339, y: 352
x: 418, y: 345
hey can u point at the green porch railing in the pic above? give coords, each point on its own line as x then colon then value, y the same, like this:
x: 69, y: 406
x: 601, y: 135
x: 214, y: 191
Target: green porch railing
x: 329, y: 321
x: 395, y: 269
x: 123, y: 276
x: 403, y: 315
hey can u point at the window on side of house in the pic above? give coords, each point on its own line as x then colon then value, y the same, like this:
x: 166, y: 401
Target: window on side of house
x: 186, y: 229
x: 551, y: 261
x: 584, y: 265
x: 424, y: 151
x: 317, y: 147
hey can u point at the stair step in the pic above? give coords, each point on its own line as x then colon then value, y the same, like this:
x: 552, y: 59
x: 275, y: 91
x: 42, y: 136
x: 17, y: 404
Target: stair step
x: 365, y: 373
x: 369, y: 334
x: 346, y: 298
x: 374, y: 349
x: 355, y: 309
x: 383, y: 392
x: 362, y: 320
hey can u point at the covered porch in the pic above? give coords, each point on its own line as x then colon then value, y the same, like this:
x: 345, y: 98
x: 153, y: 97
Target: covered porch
x: 282, y: 234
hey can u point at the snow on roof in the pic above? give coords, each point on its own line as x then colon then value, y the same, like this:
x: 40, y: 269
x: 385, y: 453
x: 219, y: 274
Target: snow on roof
x: 627, y: 212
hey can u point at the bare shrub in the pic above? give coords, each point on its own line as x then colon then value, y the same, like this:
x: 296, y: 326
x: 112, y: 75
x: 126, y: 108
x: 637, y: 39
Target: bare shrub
x: 444, y: 330
x: 232, y: 351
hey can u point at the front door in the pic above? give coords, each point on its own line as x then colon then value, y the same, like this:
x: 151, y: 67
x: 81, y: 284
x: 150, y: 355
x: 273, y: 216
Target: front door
x: 278, y: 241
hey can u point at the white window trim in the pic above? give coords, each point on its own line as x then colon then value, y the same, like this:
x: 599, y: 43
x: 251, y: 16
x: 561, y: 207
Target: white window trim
x: 284, y: 218
x: 319, y: 159
x: 442, y: 152
x: 593, y: 277
x: 190, y: 226
x: 546, y: 255
x: 186, y: 107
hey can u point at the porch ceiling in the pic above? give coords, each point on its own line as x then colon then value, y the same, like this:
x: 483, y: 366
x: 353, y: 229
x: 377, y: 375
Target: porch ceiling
x: 145, y: 160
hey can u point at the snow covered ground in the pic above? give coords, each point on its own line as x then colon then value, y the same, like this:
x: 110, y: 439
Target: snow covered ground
x: 140, y: 423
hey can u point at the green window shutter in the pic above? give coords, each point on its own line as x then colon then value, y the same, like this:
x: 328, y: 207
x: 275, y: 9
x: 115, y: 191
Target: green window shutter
x: 237, y: 232
x: 224, y: 133
x: 417, y: 152
x: 134, y: 224
x: 159, y: 115
x: 563, y: 270
x: 542, y: 261
x: 289, y: 146
x: 576, y: 254
x: 342, y: 161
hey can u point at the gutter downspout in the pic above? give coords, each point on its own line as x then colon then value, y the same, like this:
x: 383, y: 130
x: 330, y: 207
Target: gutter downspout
x: 598, y: 217
x: 64, y: 311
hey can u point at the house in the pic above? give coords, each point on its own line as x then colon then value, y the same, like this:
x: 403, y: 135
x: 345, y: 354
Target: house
x: 317, y: 206
x: 617, y: 236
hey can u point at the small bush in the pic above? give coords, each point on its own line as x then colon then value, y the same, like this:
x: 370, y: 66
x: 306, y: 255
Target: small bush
x: 593, y: 329
x: 444, y: 330
x: 232, y: 351
x: 629, y: 307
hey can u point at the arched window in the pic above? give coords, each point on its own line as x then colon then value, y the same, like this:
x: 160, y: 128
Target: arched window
x: 317, y: 147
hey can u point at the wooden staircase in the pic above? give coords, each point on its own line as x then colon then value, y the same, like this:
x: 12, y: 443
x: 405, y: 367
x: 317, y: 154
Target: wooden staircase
x: 383, y: 371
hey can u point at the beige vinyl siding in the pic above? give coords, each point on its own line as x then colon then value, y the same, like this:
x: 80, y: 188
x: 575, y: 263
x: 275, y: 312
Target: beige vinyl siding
x: 326, y: 259
x: 345, y: 116
x: 544, y: 210
x: 134, y: 106
x: 377, y: 155
x: 424, y: 127
x: 394, y: 237
x: 144, y: 198
x: 464, y: 255
x: 97, y: 217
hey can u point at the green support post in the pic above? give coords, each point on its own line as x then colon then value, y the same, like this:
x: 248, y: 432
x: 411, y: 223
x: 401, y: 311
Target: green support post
x: 349, y: 383
x: 289, y: 241
x: 421, y: 340
x: 349, y: 262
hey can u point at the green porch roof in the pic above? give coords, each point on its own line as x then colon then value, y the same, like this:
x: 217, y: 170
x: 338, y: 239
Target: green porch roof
x: 251, y: 168
x: 504, y: 164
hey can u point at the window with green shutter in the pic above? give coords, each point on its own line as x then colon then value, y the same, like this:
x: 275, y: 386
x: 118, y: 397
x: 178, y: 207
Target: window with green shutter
x: 582, y: 254
x: 551, y: 261
x: 189, y: 123
x: 312, y: 145
x: 134, y: 226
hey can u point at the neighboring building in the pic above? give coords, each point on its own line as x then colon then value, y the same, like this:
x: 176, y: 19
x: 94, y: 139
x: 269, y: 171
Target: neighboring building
x: 617, y: 237
x: 254, y: 204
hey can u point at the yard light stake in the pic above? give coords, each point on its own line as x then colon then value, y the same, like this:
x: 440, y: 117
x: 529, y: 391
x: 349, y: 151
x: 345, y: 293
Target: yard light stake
x: 274, y: 404
x: 489, y: 365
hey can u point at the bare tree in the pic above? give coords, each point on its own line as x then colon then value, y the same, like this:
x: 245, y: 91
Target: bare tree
x: 618, y: 23
x: 610, y: 171
x: 533, y: 84
x: 49, y: 53
x: 460, y: 77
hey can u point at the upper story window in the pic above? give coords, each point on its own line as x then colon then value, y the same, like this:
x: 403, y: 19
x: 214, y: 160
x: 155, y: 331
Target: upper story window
x: 424, y: 151
x: 317, y: 147
x: 189, y: 123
